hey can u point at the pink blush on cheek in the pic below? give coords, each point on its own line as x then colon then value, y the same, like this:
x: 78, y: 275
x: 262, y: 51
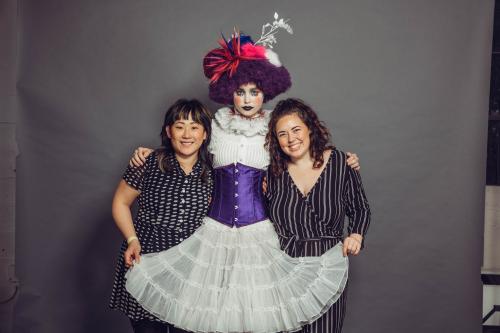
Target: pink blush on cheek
x: 259, y: 100
x: 238, y: 100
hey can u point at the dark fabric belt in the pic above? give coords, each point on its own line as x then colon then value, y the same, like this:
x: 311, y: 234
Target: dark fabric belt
x: 295, y: 245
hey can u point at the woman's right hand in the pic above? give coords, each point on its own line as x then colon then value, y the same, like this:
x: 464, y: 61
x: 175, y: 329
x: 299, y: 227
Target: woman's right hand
x: 139, y: 157
x: 132, y: 253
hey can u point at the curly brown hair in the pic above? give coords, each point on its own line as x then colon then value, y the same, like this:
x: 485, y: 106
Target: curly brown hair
x: 319, y: 134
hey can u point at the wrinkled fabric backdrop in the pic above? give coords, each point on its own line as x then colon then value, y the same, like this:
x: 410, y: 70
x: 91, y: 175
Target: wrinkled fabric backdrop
x: 403, y: 83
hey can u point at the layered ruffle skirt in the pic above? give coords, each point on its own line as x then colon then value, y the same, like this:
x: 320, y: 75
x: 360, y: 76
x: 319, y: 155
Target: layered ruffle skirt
x: 224, y: 279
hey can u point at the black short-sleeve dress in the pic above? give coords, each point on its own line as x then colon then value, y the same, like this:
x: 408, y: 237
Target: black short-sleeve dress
x: 311, y: 225
x: 171, y: 206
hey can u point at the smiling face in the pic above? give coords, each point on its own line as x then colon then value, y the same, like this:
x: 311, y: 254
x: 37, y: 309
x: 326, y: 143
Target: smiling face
x: 293, y: 137
x: 248, y: 99
x: 186, y: 136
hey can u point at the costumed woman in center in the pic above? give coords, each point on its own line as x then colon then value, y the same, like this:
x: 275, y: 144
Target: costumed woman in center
x: 230, y: 275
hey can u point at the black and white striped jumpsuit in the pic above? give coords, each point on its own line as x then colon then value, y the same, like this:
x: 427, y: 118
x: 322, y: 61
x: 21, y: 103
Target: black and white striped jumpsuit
x: 311, y: 225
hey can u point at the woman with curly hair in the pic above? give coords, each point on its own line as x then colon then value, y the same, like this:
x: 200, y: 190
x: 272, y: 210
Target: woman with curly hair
x: 310, y: 191
x: 230, y: 275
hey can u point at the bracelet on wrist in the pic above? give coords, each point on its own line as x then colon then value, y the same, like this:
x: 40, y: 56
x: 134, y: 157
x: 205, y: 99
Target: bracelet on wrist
x: 132, y: 238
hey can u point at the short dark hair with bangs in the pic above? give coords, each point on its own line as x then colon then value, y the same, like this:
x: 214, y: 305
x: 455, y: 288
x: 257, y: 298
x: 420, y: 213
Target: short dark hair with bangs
x: 182, y: 109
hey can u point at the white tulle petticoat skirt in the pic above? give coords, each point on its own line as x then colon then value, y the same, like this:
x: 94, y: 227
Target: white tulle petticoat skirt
x: 224, y: 279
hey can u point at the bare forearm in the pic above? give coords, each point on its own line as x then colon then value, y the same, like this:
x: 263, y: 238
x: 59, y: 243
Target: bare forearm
x: 123, y: 219
x: 125, y: 196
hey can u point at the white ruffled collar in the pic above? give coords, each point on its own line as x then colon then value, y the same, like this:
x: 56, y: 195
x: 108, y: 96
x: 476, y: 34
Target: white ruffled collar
x: 234, y: 123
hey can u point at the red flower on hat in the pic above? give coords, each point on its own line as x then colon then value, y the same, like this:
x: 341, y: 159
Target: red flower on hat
x: 228, y: 57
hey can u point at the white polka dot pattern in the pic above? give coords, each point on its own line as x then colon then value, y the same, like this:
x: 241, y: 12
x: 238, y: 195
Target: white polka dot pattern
x: 171, y: 207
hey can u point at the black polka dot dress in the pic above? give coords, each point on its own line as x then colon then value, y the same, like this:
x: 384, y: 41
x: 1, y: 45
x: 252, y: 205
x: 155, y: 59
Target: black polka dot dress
x: 229, y: 277
x: 171, y: 207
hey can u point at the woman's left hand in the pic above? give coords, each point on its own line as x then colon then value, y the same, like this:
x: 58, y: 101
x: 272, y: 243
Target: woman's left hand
x: 352, y: 244
x: 132, y: 254
x: 353, y: 161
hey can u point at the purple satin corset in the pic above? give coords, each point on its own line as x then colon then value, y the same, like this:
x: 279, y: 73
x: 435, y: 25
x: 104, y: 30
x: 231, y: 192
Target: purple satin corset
x: 238, y: 199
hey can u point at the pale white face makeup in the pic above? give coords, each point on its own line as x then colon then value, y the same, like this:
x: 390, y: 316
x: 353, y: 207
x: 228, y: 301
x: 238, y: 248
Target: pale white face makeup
x: 248, y: 99
x: 186, y: 137
x: 293, y: 137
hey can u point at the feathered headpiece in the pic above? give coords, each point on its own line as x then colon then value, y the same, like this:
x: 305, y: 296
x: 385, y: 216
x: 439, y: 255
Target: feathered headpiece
x: 227, y: 58
x: 239, y: 60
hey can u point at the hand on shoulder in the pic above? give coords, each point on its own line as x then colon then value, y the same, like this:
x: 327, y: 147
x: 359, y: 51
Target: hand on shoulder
x: 353, y: 161
x: 139, y: 157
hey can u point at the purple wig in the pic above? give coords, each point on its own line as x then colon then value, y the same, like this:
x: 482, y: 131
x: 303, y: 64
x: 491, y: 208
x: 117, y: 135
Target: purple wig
x: 272, y: 80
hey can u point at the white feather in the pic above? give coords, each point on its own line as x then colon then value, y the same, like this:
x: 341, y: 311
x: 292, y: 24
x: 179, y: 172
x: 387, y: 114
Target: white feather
x: 273, y: 58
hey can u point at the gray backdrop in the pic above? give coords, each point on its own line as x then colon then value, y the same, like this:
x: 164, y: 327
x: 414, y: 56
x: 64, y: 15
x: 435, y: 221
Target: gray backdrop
x: 403, y: 83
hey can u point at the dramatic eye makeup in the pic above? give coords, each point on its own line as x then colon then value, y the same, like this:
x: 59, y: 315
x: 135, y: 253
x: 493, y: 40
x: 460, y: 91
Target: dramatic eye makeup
x: 255, y: 92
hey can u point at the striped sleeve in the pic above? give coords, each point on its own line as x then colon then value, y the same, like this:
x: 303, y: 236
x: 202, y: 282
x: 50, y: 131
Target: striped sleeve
x: 357, y: 208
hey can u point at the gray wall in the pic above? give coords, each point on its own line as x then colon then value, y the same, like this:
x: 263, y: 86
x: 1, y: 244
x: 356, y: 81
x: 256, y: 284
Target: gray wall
x: 8, y: 151
x: 403, y: 83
